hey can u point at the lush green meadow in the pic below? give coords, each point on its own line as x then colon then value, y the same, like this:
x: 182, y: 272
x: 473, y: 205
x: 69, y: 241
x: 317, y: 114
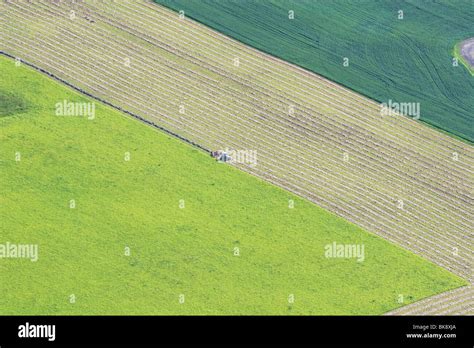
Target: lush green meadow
x: 403, y: 60
x: 181, y: 214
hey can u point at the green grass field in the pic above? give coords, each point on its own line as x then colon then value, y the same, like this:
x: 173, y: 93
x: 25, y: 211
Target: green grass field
x: 405, y: 60
x: 173, y: 250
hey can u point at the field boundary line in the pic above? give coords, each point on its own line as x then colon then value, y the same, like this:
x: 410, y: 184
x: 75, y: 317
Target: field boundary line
x: 80, y: 90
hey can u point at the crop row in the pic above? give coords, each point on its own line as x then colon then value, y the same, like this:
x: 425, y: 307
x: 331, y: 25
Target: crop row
x: 455, y: 302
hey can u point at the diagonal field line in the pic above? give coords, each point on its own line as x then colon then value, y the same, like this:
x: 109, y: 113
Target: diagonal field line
x: 80, y: 90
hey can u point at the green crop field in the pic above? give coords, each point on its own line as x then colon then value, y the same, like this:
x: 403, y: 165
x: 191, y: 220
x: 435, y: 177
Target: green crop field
x: 154, y: 219
x: 403, y: 60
